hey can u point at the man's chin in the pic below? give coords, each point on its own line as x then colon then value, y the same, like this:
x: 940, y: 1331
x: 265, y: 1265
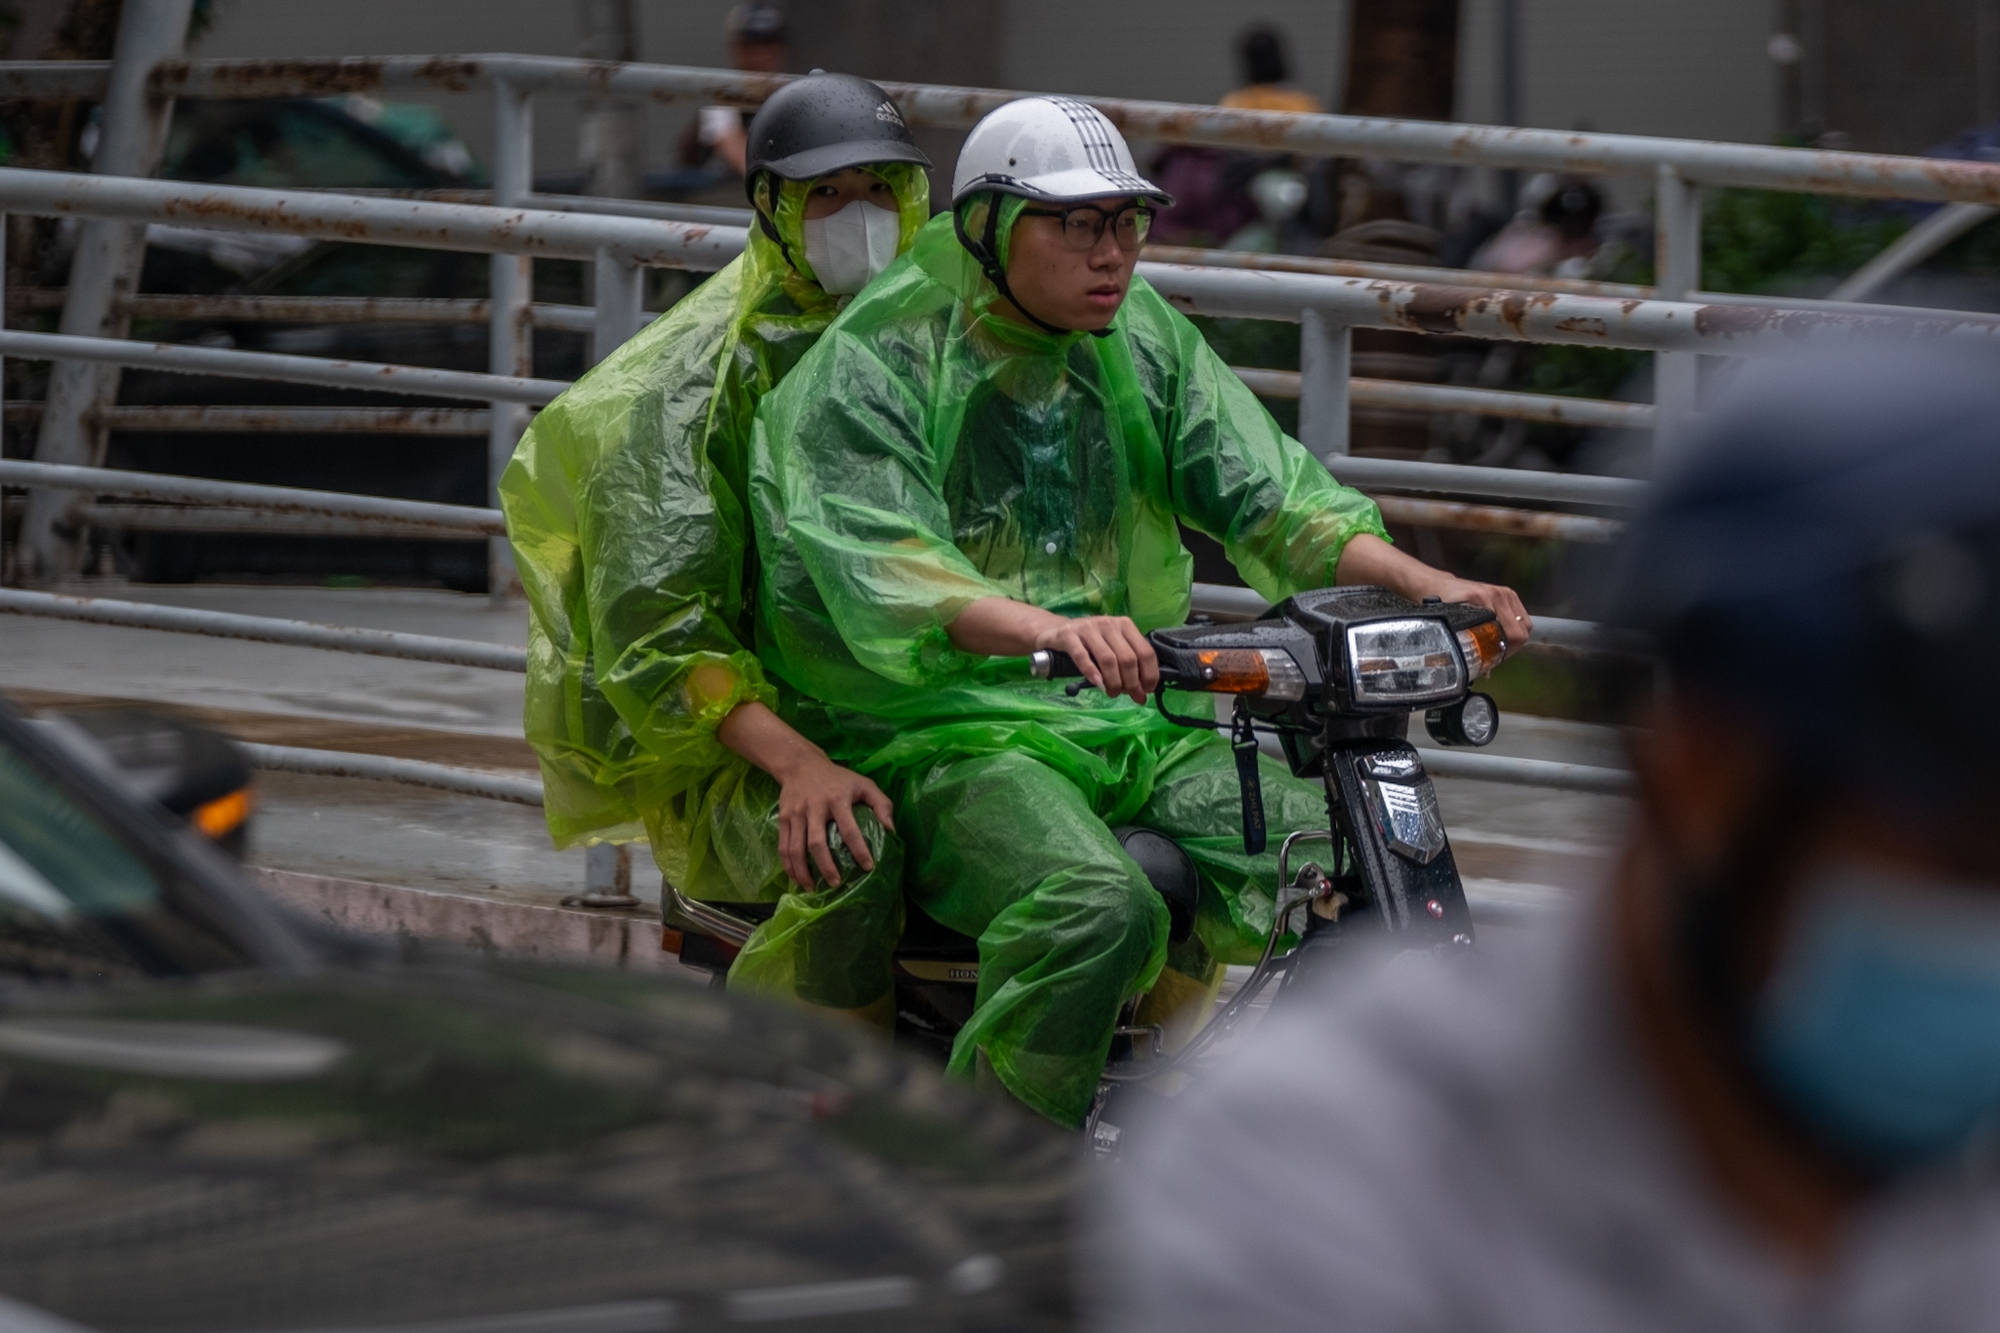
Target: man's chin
x: 1095, y: 317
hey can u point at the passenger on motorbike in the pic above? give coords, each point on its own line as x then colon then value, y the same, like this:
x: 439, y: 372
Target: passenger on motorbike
x: 625, y: 504
x: 987, y: 455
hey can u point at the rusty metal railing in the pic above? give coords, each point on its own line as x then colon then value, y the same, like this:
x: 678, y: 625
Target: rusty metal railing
x: 1329, y: 298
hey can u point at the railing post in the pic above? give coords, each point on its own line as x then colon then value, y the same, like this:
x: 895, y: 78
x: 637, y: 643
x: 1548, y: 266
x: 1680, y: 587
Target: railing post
x: 511, y: 346
x: 621, y: 287
x: 1326, y: 361
x: 1677, y: 250
x: 607, y: 876
x: 105, y: 267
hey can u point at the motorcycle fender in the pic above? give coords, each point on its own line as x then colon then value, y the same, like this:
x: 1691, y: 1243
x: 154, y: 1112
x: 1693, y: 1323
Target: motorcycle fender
x: 1406, y: 859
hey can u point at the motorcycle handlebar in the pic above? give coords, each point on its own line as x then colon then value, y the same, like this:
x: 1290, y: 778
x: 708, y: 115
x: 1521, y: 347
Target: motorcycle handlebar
x: 1048, y: 664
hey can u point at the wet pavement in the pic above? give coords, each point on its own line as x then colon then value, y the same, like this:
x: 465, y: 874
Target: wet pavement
x: 388, y: 833
x: 1525, y: 849
x: 1520, y: 849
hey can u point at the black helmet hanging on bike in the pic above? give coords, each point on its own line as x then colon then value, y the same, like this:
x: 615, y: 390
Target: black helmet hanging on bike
x: 825, y: 123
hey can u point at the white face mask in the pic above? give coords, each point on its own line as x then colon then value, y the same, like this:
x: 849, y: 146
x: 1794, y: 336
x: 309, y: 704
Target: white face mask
x: 850, y: 247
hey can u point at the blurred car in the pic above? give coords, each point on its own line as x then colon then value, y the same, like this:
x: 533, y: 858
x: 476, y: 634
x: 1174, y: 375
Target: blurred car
x: 191, y: 772
x: 350, y: 143
x: 214, y: 1116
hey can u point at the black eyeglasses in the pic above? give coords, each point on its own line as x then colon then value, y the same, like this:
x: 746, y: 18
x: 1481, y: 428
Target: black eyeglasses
x: 1083, y: 226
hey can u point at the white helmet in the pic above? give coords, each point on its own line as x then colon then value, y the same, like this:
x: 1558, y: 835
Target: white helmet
x: 1055, y: 149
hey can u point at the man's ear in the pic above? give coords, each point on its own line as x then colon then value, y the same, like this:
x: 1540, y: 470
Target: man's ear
x: 1700, y: 769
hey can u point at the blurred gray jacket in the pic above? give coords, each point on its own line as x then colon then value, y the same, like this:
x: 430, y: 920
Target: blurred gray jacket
x: 1475, y: 1149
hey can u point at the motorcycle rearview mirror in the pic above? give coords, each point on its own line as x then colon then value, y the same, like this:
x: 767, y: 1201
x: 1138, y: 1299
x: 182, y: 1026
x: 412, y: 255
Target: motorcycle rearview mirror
x: 1473, y: 720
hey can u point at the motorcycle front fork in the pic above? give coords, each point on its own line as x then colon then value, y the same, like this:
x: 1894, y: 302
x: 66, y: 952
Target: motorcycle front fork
x: 1391, y: 867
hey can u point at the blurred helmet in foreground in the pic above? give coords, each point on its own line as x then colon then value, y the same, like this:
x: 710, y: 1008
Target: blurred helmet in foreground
x: 1823, y: 558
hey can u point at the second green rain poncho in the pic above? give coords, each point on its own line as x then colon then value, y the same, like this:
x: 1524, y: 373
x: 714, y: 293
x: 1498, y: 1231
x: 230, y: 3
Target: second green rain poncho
x: 625, y: 504
x: 928, y: 454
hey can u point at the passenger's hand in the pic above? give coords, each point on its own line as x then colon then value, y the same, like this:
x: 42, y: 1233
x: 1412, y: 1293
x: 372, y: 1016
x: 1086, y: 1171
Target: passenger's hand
x: 1515, y: 623
x: 810, y: 796
x: 1110, y: 651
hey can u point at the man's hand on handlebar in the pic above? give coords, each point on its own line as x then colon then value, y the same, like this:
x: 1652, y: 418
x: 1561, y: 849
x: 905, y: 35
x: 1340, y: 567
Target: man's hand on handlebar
x: 1515, y: 622
x: 1109, y: 650
x: 1369, y: 559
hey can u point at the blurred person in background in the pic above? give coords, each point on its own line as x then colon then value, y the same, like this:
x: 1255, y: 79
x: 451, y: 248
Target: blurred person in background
x: 759, y: 43
x: 626, y: 506
x: 1266, y: 73
x: 1554, y: 234
x: 1212, y: 187
x: 1756, y: 1084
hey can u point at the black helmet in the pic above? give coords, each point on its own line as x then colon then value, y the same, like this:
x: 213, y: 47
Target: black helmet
x: 824, y: 123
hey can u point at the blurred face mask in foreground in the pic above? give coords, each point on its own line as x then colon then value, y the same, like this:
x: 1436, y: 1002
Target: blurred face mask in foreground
x: 1881, y: 1025
x: 848, y: 248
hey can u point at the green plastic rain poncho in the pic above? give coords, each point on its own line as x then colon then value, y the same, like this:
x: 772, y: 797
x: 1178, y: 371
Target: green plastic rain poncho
x: 625, y: 506
x: 928, y: 454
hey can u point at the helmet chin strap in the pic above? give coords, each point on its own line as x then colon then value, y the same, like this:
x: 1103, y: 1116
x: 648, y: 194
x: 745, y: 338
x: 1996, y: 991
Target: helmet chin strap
x: 769, y: 227
x: 986, y: 253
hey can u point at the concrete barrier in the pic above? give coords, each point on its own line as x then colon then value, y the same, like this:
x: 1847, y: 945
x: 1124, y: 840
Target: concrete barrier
x: 546, y: 932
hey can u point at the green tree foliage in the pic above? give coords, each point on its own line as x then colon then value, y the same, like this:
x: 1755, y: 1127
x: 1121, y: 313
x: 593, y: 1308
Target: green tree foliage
x: 1775, y: 243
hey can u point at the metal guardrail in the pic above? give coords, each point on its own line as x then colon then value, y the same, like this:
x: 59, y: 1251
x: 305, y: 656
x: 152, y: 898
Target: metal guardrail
x: 1816, y: 171
x: 521, y: 790
x: 1347, y: 302
x: 1215, y: 600
x: 277, y: 510
x: 253, y: 522
x: 1392, y: 474
x: 458, y: 519
x: 525, y: 790
x: 1339, y: 304
x: 500, y: 657
x: 1680, y: 167
x: 1527, y: 772
x: 1840, y: 304
x: 1406, y: 396
x: 1540, y: 317
x: 327, y: 216
x: 1535, y: 523
x: 172, y: 418
x: 1329, y: 299
x: 182, y: 359
x: 302, y: 309
x: 271, y: 420
x: 264, y: 629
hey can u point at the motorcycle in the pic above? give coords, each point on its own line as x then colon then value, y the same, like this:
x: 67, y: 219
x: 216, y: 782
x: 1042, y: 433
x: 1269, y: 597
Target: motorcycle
x: 1334, y: 676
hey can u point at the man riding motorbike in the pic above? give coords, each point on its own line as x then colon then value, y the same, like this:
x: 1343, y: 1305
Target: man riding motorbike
x: 986, y: 456
x: 625, y: 506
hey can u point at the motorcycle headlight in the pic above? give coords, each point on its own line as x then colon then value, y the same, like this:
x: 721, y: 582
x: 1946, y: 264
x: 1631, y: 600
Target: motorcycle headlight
x: 1405, y: 663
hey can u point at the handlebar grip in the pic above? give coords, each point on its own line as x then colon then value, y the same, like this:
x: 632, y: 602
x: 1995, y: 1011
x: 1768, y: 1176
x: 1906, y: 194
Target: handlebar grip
x: 1048, y: 664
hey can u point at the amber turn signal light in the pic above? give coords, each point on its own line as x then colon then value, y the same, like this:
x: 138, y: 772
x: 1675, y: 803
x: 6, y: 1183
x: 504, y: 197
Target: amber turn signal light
x: 223, y: 815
